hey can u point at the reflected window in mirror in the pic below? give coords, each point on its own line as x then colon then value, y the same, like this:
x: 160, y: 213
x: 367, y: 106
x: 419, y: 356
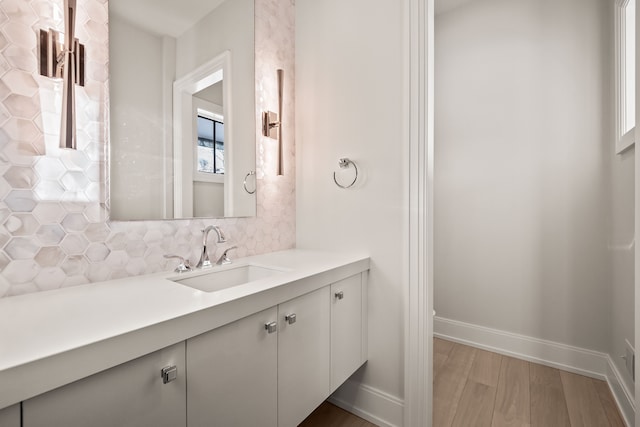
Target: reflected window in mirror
x: 625, y: 73
x: 210, y: 145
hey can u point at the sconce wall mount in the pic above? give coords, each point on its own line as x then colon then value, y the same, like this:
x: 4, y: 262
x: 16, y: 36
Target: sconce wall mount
x: 66, y: 61
x: 270, y: 124
x: 52, y: 53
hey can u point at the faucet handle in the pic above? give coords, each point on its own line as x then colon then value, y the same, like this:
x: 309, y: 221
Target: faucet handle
x: 184, y: 265
x: 224, y: 258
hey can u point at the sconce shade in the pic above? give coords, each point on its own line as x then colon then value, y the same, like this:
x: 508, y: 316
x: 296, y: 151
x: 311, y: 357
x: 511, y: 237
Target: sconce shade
x: 65, y: 61
x: 68, y: 116
x: 280, y: 96
x: 272, y: 123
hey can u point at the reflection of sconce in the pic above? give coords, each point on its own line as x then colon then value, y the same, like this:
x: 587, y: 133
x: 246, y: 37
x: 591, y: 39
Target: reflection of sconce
x: 66, y: 61
x: 272, y: 122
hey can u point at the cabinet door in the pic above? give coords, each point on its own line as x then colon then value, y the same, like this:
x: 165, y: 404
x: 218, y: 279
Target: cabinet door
x: 10, y: 417
x: 131, y: 394
x: 303, y: 356
x: 232, y: 374
x: 346, y: 329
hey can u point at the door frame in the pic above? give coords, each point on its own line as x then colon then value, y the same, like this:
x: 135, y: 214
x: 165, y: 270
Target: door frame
x: 637, y: 216
x: 418, y: 383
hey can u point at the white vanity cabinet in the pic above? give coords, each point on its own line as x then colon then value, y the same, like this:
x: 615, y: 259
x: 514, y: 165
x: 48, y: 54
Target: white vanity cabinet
x: 275, y: 367
x: 10, y: 417
x: 303, y: 356
x: 269, y: 369
x: 132, y: 394
x: 232, y: 374
x: 265, y: 354
x: 348, y: 323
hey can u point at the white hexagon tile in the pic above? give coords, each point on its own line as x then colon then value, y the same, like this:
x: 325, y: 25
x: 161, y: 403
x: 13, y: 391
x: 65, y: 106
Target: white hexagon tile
x: 54, y: 227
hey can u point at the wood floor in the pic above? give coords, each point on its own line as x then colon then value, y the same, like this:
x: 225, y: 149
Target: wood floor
x: 328, y: 415
x: 473, y: 387
x: 476, y: 388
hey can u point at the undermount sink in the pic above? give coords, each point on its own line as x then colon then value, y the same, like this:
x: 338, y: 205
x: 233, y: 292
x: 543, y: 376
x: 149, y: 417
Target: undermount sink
x: 217, y: 280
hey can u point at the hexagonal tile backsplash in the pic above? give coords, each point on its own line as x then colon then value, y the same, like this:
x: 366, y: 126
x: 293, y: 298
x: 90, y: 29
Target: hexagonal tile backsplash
x: 54, y: 227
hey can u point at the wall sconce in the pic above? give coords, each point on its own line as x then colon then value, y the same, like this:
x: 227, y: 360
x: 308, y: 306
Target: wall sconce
x: 65, y: 61
x: 272, y: 122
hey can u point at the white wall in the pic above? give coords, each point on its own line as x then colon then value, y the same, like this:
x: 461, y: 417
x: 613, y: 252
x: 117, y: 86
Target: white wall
x: 137, y: 122
x: 622, y: 259
x: 212, y: 94
x: 350, y: 77
x: 522, y: 171
x: 208, y: 199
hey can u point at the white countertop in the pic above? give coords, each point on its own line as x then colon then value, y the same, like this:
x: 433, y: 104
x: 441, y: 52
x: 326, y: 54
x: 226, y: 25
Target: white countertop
x: 52, y: 338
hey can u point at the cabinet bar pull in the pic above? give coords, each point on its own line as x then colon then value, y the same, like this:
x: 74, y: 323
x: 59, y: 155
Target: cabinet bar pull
x: 339, y: 295
x: 290, y: 318
x: 271, y: 327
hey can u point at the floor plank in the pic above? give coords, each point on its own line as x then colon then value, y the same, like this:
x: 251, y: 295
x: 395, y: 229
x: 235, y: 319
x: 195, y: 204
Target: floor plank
x: 486, y: 368
x: 441, y: 350
x: 449, y: 384
x: 583, y: 402
x: 608, y: 403
x: 439, y: 361
x: 476, y: 406
x: 443, y: 347
x: 512, y: 406
x: 548, y: 407
x: 328, y: 415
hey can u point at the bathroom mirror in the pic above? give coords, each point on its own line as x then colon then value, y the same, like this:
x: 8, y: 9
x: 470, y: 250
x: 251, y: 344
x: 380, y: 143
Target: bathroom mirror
x: 182, y: 109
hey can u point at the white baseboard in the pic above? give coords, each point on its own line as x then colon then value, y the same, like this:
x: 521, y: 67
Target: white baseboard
x: 573, y: 359
x: 369, y: 403
x: 569, y: 358
x: 621, y: 393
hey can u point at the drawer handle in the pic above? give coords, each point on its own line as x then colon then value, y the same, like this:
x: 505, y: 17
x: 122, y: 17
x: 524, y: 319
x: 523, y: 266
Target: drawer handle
x: 290, y: 318
x: 339, y: 295
x: 271, y: 327
x: 169, y: 373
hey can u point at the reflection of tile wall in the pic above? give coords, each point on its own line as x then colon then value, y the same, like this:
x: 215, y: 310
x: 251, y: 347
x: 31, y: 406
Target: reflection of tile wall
x: 54, y: 229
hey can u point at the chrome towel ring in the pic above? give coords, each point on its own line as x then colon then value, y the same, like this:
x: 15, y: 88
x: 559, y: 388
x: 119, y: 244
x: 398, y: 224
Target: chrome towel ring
x: 345, y: 163
x: 244, y: 183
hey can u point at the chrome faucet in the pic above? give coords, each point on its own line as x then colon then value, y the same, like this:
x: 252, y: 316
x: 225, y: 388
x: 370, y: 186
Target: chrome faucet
x: 204, y: 256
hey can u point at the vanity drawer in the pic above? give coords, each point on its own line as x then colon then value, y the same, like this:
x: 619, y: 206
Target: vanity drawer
x: 132, y: 394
